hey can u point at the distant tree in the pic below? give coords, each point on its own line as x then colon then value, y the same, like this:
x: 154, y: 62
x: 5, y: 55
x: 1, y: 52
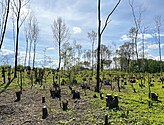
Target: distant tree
x: 66, y: 54
x: 142, y: 31
x: 86, y: 64
x: 27, y: 43
x: 34, y: 37
x: 158, y: 25
x: 135, y: 30
x: 107, y: 63
x: 105, y: 54
x: 79, y: 52
x: 5, y: 7
x: 125, y: 53
x: 116, y: 60
x: 30, y: 38
x: 92, y: 36
x: 61, y: 34
x: 31, y: 33
x: 100, y: 33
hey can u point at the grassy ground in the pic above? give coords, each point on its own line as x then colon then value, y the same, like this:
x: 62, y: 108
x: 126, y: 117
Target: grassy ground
x: 133, y: 107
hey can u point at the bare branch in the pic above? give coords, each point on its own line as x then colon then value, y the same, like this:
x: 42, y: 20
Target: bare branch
x: 107, y: 19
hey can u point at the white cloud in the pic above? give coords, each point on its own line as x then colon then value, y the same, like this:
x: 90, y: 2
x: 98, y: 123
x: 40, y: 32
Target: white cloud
x: 76, y: 30
x: 153, y: 46
x: 125, y: 38
x: 6, y: 52
x: 51, y: 48
x: 146, y: 36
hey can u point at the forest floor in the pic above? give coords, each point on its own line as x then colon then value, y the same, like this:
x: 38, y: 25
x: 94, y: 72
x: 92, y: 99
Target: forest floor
x: 133, y: 107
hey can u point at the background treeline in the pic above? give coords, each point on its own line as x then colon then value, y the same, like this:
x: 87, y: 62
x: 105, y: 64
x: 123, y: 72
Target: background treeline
x: 146, y: 65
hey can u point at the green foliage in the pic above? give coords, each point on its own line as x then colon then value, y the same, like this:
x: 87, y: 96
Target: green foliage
x: 149, y: 65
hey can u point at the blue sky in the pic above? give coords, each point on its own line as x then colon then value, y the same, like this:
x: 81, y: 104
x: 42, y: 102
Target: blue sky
x: 81, y: 17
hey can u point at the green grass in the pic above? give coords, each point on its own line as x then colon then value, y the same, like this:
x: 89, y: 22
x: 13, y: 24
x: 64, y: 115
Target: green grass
x: 134, y: 106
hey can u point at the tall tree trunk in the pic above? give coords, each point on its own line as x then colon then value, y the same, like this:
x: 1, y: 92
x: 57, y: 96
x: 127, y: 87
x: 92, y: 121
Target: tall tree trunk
x: 97, y: 89
x: 17, y: 40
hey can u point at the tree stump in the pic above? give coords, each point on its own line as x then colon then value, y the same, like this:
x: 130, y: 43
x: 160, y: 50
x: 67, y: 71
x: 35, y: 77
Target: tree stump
x: 18, y: 96
x: 44, y: 112
x: 52, y: 93
x: 132, y: 81
x: 153, y: 96
x: 106, y: 120
x: 112, y: 102
x: 76, y: 94
x: 125, y: 83
x: 65, y: 105
x: 43, y: 99
x: 55, y: 93
x: 115, y: 101
x: 109, y: 99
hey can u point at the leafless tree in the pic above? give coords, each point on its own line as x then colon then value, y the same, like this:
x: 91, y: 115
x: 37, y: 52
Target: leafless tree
x: 17, y: 7
x: 158, y: 25
x: 35, y: 30
x: 92, y: 36
x: 27, y: 43
x: 5, y: 7
x: 30, y: 38
x: 61, y: 34
x: 143, y: 31
x: 32, y: 31
x: 137, y: 22
x: 100, y: 33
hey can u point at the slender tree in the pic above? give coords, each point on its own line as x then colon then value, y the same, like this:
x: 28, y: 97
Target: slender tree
x: 20, y: 17
x: 34, y: 33
x: 158, y: 24
x: 61, y: 34
x: 136, y: 30
x: 92, y: 36
x: 100, y: 33
x: 27, y: 43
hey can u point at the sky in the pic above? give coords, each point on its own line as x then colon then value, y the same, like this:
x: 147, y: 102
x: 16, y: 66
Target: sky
x: 81, y: 17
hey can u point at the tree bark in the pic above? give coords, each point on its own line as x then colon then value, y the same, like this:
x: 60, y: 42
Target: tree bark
x: 97, y: 89
x: 17, y: 39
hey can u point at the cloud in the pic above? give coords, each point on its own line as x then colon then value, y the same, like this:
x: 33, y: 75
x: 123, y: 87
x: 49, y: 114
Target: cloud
x: 154, y: 46
x: 5, y: 52
x: 51, y: 48
x: 76, y: 30
x: 125, y: 38
x: 146, y: 36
